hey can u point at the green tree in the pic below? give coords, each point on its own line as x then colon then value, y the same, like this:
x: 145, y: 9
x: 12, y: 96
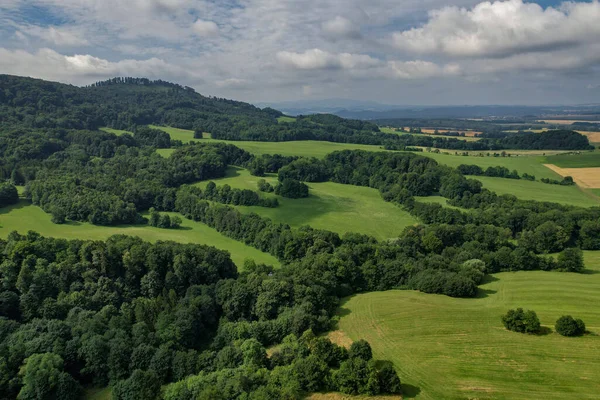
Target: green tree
x: 43, y: 378
x: 521, y: 321
x: 569, y: 326
x: 8, y: 194
x: 141, y: 385
x: 361, y: 349
x: 570, y: 260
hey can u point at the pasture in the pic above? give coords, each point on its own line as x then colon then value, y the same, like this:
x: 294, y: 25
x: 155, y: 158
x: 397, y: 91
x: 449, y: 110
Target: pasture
x: 528, y: 190
x: 331, y: 206
x: 450, y: 348
x: 117, y: 132
x: 24, y: 217
x: 582, y: 160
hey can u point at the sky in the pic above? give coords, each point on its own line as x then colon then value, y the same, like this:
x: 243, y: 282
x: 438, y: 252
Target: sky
x: 405, y: 52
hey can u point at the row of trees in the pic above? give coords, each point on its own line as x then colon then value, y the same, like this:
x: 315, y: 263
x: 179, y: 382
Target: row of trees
x: 528, y: 322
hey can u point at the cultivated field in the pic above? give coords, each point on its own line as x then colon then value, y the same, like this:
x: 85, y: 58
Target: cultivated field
x: 449, y: 348
x: 583, y: 160
x: 528, y: 190
x: 24, y: 217
x: 331, y: 206
x: 584, y: 177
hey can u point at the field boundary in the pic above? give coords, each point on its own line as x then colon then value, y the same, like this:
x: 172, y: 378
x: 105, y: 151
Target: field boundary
x: 588, y: 178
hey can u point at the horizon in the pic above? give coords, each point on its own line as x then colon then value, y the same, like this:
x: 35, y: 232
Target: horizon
x: 542, y: 53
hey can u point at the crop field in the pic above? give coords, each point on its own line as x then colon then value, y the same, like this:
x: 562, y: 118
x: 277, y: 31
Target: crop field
x: 24, y: 217
x: 449, y: 348
x: 286, y: 119
x: 530, y: 164
x: 528, y: 190
x: 583, y: 160
x: 469, y: 135
x: 584, y: 177
x: 331, y: 206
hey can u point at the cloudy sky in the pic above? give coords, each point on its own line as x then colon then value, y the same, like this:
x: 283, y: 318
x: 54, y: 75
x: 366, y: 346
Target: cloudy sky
x: 393, y: 51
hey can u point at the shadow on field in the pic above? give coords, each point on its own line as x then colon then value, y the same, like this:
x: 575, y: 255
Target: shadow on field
x: 590, y: 272
x: 410, y: 391
x: 544, y: 330
x: 483, y: 293
x: 19, y: 205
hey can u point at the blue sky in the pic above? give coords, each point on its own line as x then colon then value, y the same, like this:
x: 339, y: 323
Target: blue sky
x: 398, y: 52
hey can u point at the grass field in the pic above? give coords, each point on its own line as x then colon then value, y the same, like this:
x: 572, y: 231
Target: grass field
x: 530, y: 164
x: 117, y: 132
x: 98, y: 394
x: 583, y: 160
x: 285, y: 118
x: 332, y: 206
x: 24, y: 217
x: 447, y: 348
x: 584, y: 177
x: 528, y: 190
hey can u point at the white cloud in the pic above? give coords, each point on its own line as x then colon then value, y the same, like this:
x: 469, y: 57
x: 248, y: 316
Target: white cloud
x: 206, y: 28
x: 319, y: 59
x: 82, y: 68
x: 503, y: 28
x: 233, y: 83
x: 55, y: 35
x: 340, y: 27
x: 421, y: 69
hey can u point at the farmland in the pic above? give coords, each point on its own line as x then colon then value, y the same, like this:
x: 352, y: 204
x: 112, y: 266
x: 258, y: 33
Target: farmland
x: 331, y: 206
x: 457, y: 348
x: 24, y: 217
x: 528, y: 190
x: 584, y: 160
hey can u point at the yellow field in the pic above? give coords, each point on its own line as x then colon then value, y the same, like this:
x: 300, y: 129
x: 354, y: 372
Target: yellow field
x: 594, y: 137
x: 564, y: 121
x: 584, y: 177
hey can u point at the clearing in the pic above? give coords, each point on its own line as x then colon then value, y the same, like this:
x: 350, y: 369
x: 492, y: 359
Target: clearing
x: 24, y: 217
x: 449, y: 348
x: 539, y: 191
x: 331, y: 206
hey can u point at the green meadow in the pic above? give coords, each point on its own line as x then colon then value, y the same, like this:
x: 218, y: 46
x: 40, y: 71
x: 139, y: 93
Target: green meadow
x: 583, y: 160
x: 450, y: 348
x: 331, y: 206
x: 117, y: 132
x: 285, y: 118
x: 528, y: 190
x: 24, y: 217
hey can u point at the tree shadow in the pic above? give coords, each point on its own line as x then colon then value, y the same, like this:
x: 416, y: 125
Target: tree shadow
x: 184, y: 228
x: 21, y: 204
x: 483, y: 293
x: 589, y: 272
x: 489, y: 279
x: 410, y: 391
x: 544, y: 330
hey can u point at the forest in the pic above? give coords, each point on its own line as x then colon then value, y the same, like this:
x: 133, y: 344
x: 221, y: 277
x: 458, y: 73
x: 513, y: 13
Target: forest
x: 180, y: 321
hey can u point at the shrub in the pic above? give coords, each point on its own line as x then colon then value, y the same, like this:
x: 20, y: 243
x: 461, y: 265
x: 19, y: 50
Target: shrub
x: 569, y: 326
x: 292, y: 189
x: 521, y: 321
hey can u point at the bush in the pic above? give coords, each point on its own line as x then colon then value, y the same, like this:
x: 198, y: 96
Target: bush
x: 265, y: 186
x: 521, y: 321
x: 8, y: 194
x: 292, y: 189
x: 569, y: 326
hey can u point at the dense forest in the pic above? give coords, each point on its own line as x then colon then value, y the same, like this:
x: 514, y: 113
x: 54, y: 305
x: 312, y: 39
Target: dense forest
x: 180, y: 321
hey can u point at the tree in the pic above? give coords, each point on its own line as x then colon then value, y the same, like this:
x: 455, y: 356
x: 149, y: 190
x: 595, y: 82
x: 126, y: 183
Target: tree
x: 8, y: 194
x: 175, y: 222
x: 570, y: 260
x: 521, y: 321
x: 43, y: 378
x: 59, y: 215
x: 141, y: 385
x: 164, y: 221
x: 264, y: 186
x: 154, y: 217
x: 292, y: 189
x: 361, y: 349
x: 569, y: 326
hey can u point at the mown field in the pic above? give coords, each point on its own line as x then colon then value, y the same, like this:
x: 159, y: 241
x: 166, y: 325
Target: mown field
x: 117, y: 132
x: 332, y: 206
x: 448, y: 348
x: 527, y: 190
x: 24, y: 217
x: 583, y: 160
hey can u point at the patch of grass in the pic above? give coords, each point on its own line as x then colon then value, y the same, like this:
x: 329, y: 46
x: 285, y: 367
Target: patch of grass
x: 530, y: 164
x: 117, y: 132
x: 451, y: 348
x: 528, y: 190
x: 439, y: 200
x: 285, y: 118
x: 98, y: 394
x: 332, y: 206
x: 583, y: 160
x: 24, y: 217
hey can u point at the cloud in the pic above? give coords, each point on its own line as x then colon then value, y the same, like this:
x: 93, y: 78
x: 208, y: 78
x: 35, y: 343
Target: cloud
x: 54, y: 35
x: 503, y: 28
x: 421, y: 69
x: 340, y: 27
x: 206, y: 28
x: 81, y: 68
x: 233, y: 83
x: 319, y: 59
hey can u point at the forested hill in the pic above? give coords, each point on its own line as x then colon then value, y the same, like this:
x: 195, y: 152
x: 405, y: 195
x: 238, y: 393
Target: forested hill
x: 119, y: 103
